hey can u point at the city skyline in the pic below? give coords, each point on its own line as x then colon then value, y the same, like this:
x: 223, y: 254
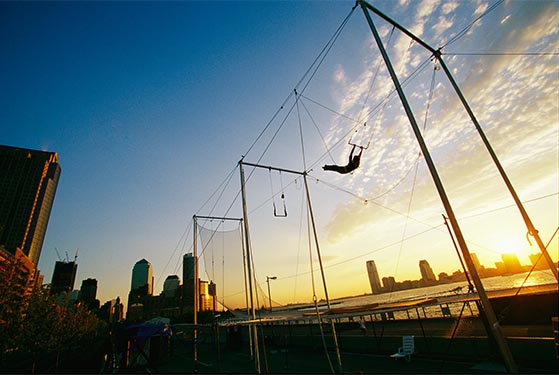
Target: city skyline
x: 150, y: 106
x: 510, y: 264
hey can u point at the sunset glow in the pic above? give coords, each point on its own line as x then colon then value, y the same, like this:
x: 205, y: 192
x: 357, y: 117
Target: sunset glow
x: 151, y: 105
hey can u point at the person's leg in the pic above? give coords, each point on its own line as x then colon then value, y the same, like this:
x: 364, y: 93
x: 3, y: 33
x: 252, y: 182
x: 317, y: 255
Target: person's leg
x: 335, y: 168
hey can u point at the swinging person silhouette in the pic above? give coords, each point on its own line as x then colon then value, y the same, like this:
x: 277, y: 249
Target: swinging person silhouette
x: 350, y: 167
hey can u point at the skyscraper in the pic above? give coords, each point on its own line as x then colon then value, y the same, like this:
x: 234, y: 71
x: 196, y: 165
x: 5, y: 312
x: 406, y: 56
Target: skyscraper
x: 512, y: 264
x: 188, y: 281
x: 374, y: 278
x: 88, y: 292
x: 475, y: 261
x: 427, y: 273
x: 188, y: 267
x: 170, y: 286
x: 63, y: 277
x: 28, y: 181
x: 538, y: 261
x: 142, y: 279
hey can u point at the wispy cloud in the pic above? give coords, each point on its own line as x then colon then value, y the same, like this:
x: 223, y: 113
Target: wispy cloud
x: 512, y: 97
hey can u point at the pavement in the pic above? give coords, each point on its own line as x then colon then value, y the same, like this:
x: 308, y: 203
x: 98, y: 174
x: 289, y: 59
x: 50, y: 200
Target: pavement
x: 275, y: 359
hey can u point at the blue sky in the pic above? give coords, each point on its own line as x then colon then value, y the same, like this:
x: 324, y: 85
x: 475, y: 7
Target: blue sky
x: 151, y: 105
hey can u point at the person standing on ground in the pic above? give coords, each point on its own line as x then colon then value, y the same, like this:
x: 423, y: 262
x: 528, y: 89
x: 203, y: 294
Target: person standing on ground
x: 362, y: 326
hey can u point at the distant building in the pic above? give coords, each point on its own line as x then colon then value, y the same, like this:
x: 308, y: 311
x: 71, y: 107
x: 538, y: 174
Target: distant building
x: 501, y: 268
x: 88, y: 293
x: 188, y: 267
x: 188, y: 282
x: 142, y: 283
x: 475, y: 261
x: 389, y: 283
x: 443, y: 277
x: 374, y: 278
x: 512, y: 264
x: 63, y: 277
x: 212, y: 290
x: 538, y: 261
x: 28, y: 181
x: 170, y: 286
x: 427, y: 274
x: 142, y: 277
x: 112, y: 311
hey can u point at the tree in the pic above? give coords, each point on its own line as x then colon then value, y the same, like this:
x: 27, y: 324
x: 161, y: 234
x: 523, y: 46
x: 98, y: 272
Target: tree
x: 34, y: 324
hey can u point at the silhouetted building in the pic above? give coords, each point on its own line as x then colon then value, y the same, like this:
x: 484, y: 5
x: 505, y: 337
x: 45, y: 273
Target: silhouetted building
x: 170, y: 286
x: 142, y: 283
x: 501, y: 269
x: 539, y: 261
x: 28, y: 181
x: 512, y: 264
x: 88, y: 293
x: 63, y: 277
x: 389, y: 283
x: 212, y: 290
x: 374, y: 278
x: 188, y: 267
x: 427, y: 274
x: 142, y: 276
x: 112, y: 311
x: 475, y: 261
x: 188, y: 282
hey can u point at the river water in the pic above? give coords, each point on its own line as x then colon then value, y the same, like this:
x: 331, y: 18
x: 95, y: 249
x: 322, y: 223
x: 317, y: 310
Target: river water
x: 491, y: 283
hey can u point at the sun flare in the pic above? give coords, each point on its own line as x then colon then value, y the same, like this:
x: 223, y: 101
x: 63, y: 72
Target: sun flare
x: 510, y: 246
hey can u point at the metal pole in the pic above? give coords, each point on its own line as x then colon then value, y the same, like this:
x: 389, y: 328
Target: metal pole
x: 195, y: 297
x: 322, y: 271
x: 246, y: 293
x: 249, y: 268
x: 495, y: 327
x: 274, y: 168
x: 470, y: 286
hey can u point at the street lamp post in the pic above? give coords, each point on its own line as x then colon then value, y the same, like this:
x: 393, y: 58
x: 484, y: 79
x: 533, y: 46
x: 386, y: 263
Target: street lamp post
x: 268, y: 278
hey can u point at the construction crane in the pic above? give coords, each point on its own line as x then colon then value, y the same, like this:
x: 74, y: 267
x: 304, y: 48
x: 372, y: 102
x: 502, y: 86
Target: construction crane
x: 57, y: 253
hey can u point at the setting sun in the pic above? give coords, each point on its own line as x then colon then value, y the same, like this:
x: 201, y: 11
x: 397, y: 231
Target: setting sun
x: 513, y: 246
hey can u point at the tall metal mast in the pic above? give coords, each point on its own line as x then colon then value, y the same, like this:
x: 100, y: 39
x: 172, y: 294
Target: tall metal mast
x: 249, y: 266
x: 495, y: 330
x: 196, y: 296
x: 309, y: 205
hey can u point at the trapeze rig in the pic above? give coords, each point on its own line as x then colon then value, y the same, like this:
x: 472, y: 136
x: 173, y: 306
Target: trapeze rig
x: 492, y: 323
x: 248, y: 249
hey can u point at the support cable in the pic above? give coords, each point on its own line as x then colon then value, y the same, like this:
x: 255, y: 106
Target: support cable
x: 501, y: 54
x: 317, y: 129
x: 311, y: 71
x: 300, y: 130
x: 377, y: 108
x: 465, y: 30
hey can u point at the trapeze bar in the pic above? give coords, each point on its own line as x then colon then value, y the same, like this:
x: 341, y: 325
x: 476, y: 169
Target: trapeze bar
x: 273, y: 168
x: 217, y: 218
